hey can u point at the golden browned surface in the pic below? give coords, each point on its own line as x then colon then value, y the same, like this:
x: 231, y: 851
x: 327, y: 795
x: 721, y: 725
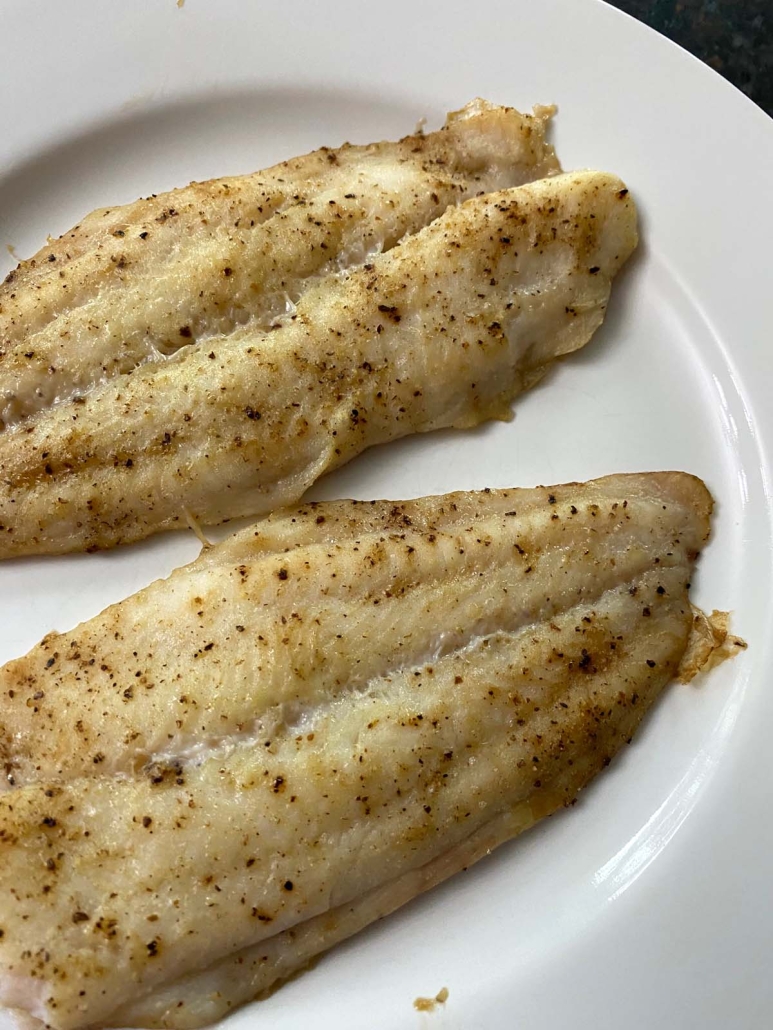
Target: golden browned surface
x: 444, y: 330
x: 134, y: 283
x: 216, y: 779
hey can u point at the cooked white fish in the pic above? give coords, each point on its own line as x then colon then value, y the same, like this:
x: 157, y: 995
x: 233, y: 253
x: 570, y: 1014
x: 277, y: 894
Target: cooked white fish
x: 221, y: 776
x: 134, y: 283
x: 444, y: 330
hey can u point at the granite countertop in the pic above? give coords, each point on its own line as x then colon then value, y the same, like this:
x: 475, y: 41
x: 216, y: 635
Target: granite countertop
x: 735, y: 37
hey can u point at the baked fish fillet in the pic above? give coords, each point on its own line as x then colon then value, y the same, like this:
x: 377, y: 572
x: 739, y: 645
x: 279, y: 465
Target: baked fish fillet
x: 134, y: 283
x: 219, y: 777
x: 444, y: 330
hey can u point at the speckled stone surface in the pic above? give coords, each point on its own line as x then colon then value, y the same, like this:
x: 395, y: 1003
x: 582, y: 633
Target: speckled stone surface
x: 733, y: 36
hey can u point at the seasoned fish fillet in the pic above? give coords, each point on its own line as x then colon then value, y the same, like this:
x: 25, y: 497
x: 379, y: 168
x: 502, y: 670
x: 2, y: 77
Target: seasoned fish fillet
x: 444, y: 330
x: 133, y: 284
x: 219, y: 777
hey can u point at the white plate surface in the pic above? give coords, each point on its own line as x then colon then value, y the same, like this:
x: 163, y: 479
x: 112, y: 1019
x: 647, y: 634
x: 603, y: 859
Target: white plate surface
x: 650, y: 902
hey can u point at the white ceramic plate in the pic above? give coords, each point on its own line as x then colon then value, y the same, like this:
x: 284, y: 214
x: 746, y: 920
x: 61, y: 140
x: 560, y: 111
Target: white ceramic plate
x: 650, y: 902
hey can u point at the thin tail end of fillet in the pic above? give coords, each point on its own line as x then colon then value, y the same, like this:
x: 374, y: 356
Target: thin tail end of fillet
x: 686, y: 490
x: 480, y: 108
x: 506, y: 139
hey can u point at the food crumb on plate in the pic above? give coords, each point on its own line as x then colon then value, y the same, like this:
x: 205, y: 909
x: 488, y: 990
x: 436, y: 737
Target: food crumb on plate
x: 429, y: 1004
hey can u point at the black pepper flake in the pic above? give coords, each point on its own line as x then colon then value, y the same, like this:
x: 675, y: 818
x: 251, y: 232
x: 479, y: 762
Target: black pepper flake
x: 251, y: 413
x: 660, y: 590
x: 622, y: 193
x: 227, y: 271
x: 552, y: 499
x: 288, y: 885
x: 152, y: 947
x: 593, y: 269
x: 49, y: 820
x: 391, y: 311
x: 646, y: 611
x: 50, y: 662
x: 143, y: 235
x: 282, y: 574
x: 80, y: 917
x: 650, y: 663
x: 146, y: 821
x: 185, y: 330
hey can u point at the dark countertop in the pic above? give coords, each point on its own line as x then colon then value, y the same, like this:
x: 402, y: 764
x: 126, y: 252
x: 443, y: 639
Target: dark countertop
x: 735, y: 37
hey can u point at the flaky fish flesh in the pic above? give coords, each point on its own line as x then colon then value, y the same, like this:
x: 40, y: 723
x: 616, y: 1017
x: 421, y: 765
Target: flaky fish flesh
x: 444, y: 330
x: 218, y: 778
x: 134, y: 283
